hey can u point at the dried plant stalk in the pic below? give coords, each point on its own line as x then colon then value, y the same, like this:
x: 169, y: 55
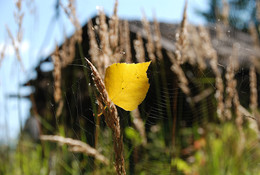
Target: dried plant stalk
x: 67, y: 52
x: 176, y: 68
x: 76, y: 146
x: 254, y: 34
x: 139, y: 49
x: 181, y: 39
x: 178, y: 57
x: 128, y: 53
x: 253, y: 89
x: 229, y: 90
x: 195, y: 54
x: 111, y: 118
x: 149, y: 45
x: 2, y: 54
x: 16, y: 41
x: 253, y: 99
x: 205, y: 93
x: 225, y: 12
x: 258, y: 10
x: 211, y: 54
x: 57, y: 76
x: 231, y: 82
x: 157, y: 39
x: 239, y: 118
x: 70, y: 11
x: 57, y: 81
x: 113, y: 28
x: 94, y: 50
x: 219, y: 87
x: 105, y: 56
x: 103, y: 34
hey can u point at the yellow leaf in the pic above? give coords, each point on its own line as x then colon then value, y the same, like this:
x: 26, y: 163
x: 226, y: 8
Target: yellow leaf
x: 127, y: 84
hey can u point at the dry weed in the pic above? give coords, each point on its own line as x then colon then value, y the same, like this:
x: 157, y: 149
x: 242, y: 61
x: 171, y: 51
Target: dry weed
x: 76, y: 146
x: 149, y: 45
x: 157, y: 39
x: 139, y: 49
x: 111, y: 118
x: 17, y: 40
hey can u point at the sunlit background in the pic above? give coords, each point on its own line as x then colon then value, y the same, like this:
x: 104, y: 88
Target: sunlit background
x: 43, y: 26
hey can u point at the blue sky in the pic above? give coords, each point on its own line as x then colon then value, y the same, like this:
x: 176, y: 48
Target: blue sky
x: 41, y: 32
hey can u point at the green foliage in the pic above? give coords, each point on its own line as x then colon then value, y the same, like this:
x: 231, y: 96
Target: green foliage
x: 226, y: 152
x: 133, y: 135
x: 229, y: 152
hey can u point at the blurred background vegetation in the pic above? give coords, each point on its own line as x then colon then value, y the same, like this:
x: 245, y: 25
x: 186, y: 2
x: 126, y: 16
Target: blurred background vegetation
x: 199, y: 117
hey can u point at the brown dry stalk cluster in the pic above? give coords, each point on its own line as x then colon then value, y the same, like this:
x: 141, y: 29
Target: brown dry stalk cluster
x: 157, y: 39
x: 231, y: 84
x: 113, y: 26
x: 111, y: 118
x: 225, y: 12
x: 114, y: 41
x: 196, y: 54
x: 258, y: 10
x: 127, y: 47
x: 232, y: 94
x: 57, y: 75
x: 114, y: 47
x: 211, y: 54
x: 57, y: 81
x: 16, y: 41
x: 2, y: 54
x: 67, y: 52
x: 253, y: 98
x: 76, y: 146
x: 139, y: 48
x: 64, y: 56
x: 254, y: 34
x: 149, y: 45
x: 253, y: 89
x: 179, y: 56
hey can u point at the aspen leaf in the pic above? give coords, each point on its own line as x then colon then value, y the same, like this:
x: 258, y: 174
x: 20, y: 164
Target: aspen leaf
x: 127, y: 84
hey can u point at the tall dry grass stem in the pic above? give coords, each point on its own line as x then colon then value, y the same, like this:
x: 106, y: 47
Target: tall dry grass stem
x: 57, y: 81
x: 177, y: 58
x: 128, y: 53
x: 176, y: 68
x: 67, y: 52
x: 254, y: 34
x: 149, y: 45
x: 211, y: 54
x: 17, y: 40
x: 182, y: 39
x: 195, y: 54
x: 254, y: 124
x: 157, y: 39
x: 225, y: 12
x: 2, y: 54
x: 94, y: 49
x: 257, y: 10
x: 253, y: 89
x: 230, y: 82
x: 114, y: 29
x: 76, y: 146
x: 111, y: 118
x: 139, y: 48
